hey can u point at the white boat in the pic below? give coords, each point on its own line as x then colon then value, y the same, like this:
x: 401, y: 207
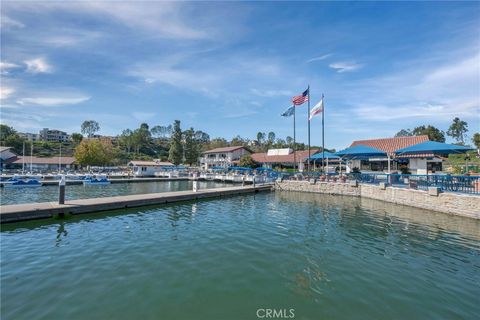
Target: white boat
x: 100, y: 180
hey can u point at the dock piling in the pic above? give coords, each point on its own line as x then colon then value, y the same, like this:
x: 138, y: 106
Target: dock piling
x: 61, y: 190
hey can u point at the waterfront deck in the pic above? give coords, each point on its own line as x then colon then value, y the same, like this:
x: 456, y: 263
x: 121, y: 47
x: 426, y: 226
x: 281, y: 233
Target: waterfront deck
x: 44, y: 210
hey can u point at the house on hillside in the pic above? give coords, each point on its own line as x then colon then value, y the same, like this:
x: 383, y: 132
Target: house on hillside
x: 142, y: 168
x: 416, y: 163
x: 47, y: 134
x: 222, y: 157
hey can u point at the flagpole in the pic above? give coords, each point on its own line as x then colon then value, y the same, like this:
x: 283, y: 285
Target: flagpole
x: 308, y: 119
x: 294, y: 143
x: 323, y: 134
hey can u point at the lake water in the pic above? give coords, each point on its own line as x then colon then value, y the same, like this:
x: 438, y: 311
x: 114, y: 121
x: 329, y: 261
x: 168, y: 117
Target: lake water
x: 50, y: 193
x: 324, y: 257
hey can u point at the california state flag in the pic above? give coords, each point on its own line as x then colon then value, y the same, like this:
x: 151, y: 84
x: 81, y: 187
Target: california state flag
x: 316, y: 110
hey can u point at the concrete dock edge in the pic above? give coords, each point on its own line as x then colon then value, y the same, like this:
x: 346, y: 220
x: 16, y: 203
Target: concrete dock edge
x: 44, y: 210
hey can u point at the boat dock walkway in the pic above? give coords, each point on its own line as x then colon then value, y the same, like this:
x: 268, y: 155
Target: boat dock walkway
x: 44, y: 210
x: 112, y: 180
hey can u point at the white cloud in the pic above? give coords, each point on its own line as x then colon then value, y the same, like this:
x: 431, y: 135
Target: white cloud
x: 434, y: 92
x: 325, y: 56
x: 166, y: 19
x: 6, y: 92
x: 7, y: 22
x: 345, y: 66
x: 38, y: 65
x: 6, y: 66
x: 52, y: 101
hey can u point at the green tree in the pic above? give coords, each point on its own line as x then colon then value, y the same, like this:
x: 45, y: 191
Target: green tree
x: 202, y: 137
x: 141, y: 139
x: 10, y: 138
x: 192, y: 150
x: 457, y: 130
x: 158, y: 131
x: 76, y: 138
x: 90, y: 127
x: 238, y: 141
x: 247, y: 161
x: 404, y: 133
x: 289, y: 140
x: 125, y: 140
x: 271, y: 138
x: 261, y: 137
x: 175, y: 154
x: 6, y: 131
x: 95, y: 152
x: 476, y: 140
x: 433, y: 133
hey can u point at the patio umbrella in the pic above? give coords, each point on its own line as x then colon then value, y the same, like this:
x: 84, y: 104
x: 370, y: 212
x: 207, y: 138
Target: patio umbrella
x: 433, y: 147
x: 320, y: 156
x: 360, y: 152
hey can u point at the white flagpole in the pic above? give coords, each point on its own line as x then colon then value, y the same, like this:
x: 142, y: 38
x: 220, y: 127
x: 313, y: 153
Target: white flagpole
x: 308, y: 118
x: 323, y: 132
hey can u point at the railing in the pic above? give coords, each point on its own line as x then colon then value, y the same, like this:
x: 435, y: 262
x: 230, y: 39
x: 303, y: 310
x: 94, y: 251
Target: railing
x: 446, y: 183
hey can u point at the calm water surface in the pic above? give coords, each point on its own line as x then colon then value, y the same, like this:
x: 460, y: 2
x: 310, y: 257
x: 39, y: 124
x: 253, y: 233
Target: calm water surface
x: 325, y: 257
x: 50, y: 193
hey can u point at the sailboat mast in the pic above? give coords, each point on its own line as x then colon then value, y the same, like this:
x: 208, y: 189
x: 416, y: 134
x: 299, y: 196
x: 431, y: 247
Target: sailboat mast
x: 23, y: 158
x: 60, y: 159
x: 31, y: 157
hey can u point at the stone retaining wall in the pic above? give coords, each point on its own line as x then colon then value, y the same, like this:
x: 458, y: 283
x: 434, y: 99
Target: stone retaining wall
x: 457, y: 204
x: 319, y: 187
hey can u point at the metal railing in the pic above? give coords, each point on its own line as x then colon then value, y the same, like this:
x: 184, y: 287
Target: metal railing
x: 446, y: 183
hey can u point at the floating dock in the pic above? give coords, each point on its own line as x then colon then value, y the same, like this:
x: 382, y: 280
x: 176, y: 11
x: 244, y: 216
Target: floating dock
x: 44, y: 210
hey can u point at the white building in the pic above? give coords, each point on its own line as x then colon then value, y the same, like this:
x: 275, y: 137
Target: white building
x: 53, y: 135
x: 223, y: 157
x: 148, y: 168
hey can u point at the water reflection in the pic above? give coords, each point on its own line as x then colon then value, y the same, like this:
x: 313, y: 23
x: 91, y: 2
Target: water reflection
x: 61, y: 233
x: 423, y: 221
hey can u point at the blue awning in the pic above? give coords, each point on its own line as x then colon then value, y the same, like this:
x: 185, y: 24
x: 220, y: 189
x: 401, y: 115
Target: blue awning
x: 433, y: 147
x: 319, y: 156
x: 360, y: 152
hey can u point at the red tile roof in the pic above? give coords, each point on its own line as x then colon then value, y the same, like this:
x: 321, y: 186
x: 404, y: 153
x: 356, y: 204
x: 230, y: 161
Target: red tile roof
x: 225, y: 149
x: 40, y: 160
x: 390, y: 145
x: 262, y: 157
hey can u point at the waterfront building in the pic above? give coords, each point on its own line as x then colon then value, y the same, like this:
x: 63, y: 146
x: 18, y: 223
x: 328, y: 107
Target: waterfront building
x: 43, y: 164
x: 416, y: 163
x: 142, y: 168
x: 223, y: 157
x: 283, y: 158
x: 47, y: 134
x: 6, y: 156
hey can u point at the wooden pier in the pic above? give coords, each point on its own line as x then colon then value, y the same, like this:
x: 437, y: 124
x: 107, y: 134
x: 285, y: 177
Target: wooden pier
x: 44, y: 210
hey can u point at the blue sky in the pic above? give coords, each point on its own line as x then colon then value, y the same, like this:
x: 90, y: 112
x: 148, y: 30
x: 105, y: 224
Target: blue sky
x: 231, y: 68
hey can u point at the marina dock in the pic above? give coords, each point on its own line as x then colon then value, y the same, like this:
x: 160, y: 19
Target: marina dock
x: 44, y: 210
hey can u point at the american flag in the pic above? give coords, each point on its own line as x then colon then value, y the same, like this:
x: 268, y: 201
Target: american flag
x: 301, y: 99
